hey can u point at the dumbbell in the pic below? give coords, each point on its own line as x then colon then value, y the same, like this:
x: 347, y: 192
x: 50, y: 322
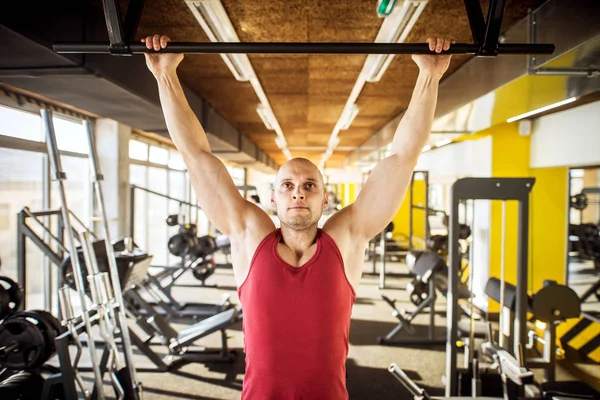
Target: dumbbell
x: 11, y: 297
x: 27, y: 339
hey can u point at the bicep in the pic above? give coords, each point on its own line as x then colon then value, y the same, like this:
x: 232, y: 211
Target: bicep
x: 385, y: 187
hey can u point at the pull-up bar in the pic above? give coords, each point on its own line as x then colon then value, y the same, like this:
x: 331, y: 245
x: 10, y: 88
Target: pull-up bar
x: 302, y: 48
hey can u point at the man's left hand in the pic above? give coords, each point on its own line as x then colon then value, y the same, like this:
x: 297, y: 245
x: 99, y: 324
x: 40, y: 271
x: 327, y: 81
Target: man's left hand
x: 435, y: 64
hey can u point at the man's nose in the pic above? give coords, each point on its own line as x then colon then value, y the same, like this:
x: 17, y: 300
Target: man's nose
x: 298, y: 194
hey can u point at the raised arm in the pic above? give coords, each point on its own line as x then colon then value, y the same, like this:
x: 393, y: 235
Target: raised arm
x: 387, y: 184
x: 217, y: 195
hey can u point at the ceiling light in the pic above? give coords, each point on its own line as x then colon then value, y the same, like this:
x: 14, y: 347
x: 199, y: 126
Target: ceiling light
x: 542, y: 109
x: 218, y: 27
x: 426, y: 148
x: 266, y: 116
x: 287, y: 153
x: 333, y: 142
x: 348, y: 116
x: 280, y: 141
x: 395, y: 29
x: 443, y: 142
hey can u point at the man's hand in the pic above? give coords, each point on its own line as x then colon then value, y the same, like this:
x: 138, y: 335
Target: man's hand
x: 160, y: 63
x: 435, y: 65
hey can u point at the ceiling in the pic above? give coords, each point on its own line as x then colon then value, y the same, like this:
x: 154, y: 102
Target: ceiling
x: 308, y: 92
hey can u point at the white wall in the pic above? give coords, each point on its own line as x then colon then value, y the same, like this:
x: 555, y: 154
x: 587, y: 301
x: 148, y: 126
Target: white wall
x: 568, y: 138
x: 468, y: 158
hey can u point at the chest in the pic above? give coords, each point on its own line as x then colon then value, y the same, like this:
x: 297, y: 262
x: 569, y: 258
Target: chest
x: 293, y: 259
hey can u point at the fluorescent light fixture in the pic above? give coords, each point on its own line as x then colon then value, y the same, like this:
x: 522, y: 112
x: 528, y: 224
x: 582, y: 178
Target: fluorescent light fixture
x: 426, y: 148
x: 350, y: 114
x: 333, y: 142
x: 542, y: 109
x: 213, y: 19
x: 395, y: 29
x: 287, y: 153
x: 443, y: 142
x: 215, y: 22
x: 266, y: 116
x: 280, y: 141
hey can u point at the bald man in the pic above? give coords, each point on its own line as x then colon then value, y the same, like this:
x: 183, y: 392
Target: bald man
x: 297, y: 284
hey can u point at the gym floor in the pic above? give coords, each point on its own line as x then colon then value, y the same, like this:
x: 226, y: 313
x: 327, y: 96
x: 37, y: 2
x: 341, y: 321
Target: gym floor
x: 367, y: 363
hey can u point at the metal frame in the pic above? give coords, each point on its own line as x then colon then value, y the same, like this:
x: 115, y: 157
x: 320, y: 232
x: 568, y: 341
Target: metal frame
x: 486, y: 36
x: 486, y: 189
x: 590, y: 72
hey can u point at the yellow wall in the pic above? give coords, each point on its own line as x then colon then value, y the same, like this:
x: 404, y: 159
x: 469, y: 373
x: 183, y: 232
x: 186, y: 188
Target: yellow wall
x: 401, y: 219
x: 548, y: 221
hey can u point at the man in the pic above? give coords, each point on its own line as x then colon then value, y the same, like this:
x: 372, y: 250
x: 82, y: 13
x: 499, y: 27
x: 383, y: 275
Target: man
x: 297, y: 283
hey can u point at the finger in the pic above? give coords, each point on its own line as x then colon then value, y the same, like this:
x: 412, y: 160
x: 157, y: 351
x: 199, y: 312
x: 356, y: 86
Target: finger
x: 148, y: 41
x: 439, y: 45
x: 156, y: 42
x: 431, y: 42
x: 446, y: 43
x: 163, y: 41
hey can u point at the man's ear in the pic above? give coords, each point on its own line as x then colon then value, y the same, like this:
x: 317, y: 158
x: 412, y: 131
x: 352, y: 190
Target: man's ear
x: 273, y: 198
x: 326, y: 200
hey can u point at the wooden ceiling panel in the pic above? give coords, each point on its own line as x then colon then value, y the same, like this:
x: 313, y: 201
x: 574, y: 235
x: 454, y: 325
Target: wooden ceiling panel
x: 308, y: 92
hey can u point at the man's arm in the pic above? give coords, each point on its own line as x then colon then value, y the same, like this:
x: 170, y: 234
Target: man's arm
x: 217, y: 195
x: 387, y: 184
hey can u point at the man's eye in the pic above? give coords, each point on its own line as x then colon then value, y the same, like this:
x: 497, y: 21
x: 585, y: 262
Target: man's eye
x: 310, y: 185
x: 287, y: 185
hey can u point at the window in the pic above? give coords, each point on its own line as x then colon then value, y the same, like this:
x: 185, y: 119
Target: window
x: 70, y: 135
x: 77, y: 187
x: 20, y: 124
x: 21, y: 184
x: 176, y: 161
x: 238, y: 175
x: 159, y: 155
x: 138, y: 150
x: 157, y: 216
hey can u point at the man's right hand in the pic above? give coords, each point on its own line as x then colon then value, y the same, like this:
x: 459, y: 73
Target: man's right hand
x: 161, y: 63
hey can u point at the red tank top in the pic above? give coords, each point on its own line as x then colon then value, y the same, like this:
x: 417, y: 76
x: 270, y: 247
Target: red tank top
x: 296, y: 324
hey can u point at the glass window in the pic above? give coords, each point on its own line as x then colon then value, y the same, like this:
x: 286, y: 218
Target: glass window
x: 176, y: 161
x: 138, y: 150
x: 21, y: 184
x: 159, y: 155
x: 237, y: 174
x: 20, y: 124
x: 70, y: 135
x: 138, y: 176
x: 157, y: 216
x: 77, y: 187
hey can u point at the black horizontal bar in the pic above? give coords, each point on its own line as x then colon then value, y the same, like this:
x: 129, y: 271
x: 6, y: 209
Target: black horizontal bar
x: 303, y: 48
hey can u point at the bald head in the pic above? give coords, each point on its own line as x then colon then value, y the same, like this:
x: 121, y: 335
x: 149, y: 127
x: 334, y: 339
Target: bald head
x: 295, y: 165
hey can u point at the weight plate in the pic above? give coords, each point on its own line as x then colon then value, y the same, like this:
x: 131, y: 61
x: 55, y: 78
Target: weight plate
x: 52, y: 327
x: 22, y: 329
x: 555, y: 303
x: 11, y: 296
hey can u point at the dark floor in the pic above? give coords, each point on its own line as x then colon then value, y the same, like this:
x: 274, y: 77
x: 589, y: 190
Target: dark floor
x: 367, y: 364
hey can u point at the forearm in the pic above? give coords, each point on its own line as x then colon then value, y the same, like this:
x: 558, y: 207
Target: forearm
x: 183, y: 125
x: 414, y: 128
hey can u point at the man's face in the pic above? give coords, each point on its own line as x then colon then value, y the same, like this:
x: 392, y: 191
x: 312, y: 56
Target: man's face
x: 299, y: 195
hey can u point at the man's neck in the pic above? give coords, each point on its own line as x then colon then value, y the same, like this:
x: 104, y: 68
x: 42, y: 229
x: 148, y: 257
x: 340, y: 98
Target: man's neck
x: 298, y: 240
